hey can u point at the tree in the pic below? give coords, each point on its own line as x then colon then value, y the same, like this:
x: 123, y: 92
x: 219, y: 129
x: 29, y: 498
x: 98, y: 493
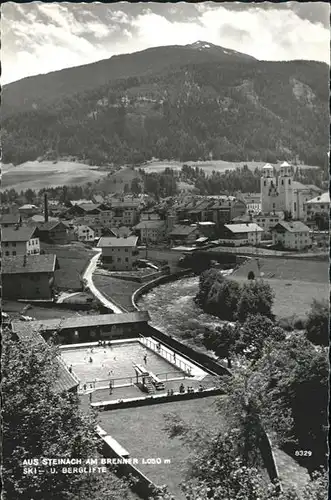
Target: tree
x: 295, y: 376
x: 135, y: 186
x: 317, y: 328
x: 222, y: 340
x: 39, y: 423
x: 253, y: 335
x: 256, y: 298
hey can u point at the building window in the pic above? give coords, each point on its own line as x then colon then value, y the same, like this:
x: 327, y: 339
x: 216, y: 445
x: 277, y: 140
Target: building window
x: 265, y: 183
x: 7, y: 253
x: 6, y: 243
x: 126, y: 259
x: 14, y: 244
x: 282, y: 182
x: 119, y: 259
x: 37, y: 291
x: 289, y: 182
x: 14, y: 252
x: 295, y: 206
x: 126, y: 250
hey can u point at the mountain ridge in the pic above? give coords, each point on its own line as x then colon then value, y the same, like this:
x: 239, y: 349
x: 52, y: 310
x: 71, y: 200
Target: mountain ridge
x: 171, y: 102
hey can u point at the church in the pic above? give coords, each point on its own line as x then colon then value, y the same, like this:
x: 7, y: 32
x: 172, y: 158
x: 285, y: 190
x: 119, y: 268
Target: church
x: 280, y: 193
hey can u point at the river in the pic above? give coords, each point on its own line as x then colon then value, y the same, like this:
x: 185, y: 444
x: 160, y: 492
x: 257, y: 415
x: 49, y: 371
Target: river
x: 173, y: 311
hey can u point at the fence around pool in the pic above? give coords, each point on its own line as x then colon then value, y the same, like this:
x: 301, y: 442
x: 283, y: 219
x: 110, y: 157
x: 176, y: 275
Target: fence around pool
x: 171, y: 357
x: 116, y: 383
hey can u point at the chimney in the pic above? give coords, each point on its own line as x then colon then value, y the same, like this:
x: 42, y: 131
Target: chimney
x: 45, y: 207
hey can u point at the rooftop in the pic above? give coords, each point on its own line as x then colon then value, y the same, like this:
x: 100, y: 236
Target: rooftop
x: 23, y: 264
x: 31, y: 328
x: 49, y: 225
x: 24, y: 233
x: 109, y: 241
x: 28, y: 207
x: 249, y: 227
x: 292, y: 226
x: 324, y: 198
x: 150, y: 224
x: 182, y: 230
x: 10, y: 219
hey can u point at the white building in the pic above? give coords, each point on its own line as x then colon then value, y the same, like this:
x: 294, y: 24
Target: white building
x: 19, y: 241
x: 119, y: 253
x: 151, y: 230
x: 292, y: 235
x: 242, y: 234
x: 84, y: 233
x: 318, y: 205
x: 280, y: 193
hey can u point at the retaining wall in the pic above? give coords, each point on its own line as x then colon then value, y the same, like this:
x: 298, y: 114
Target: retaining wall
x: 141, y: 484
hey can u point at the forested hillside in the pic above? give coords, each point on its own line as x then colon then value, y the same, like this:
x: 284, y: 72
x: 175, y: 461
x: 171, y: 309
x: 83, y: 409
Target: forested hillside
x: 231, y: 109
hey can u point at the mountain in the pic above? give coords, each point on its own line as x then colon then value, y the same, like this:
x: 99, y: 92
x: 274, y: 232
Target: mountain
x: 188, y: 103
x: 31, y: 92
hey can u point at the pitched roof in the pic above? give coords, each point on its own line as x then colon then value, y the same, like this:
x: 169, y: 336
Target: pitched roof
x: 88, y: 207
x: 28, y: 206
x: 150, y: 224
x: 49, y: 225
x: 30, y: 328
x: 182, y: 230
x: 23, y: 233
x: 251, y: 227
x: 24, y: 264
x: 324, y: 198
x: 10, y: 218
x: 309, y: 187
x: 292, y: 226
x: 109, y: 241
x: 121, y: 231
x: 40, y: 218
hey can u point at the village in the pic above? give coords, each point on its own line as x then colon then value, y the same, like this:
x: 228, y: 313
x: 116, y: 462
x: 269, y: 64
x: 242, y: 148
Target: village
x: 125, y: 229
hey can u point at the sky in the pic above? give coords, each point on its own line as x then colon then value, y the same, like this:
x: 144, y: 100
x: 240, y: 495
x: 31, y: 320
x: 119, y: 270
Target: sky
x: 42, y: 37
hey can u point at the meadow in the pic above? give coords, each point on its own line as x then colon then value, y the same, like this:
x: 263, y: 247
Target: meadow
x: 37, y: 175
x: 295, y: 282
x: 129, y: 426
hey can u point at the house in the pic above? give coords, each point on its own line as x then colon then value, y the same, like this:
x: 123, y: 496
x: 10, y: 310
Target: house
x: 52, y: 232
x: 84, y: 233
x: 319, y: 205
x: 19, y: 241
x: 28, y: 210
x: 151, y: 231
x: 181, y: 234
x: 268, y: 221
x: 241, y: 234
x: 10, y: 220
x: 125, y: 213
x: 30, y: 277
x: 119, y: 254
x: 253, y: 202
x: 79, y: 210
x: 293, y: 235
x: 100, y: 230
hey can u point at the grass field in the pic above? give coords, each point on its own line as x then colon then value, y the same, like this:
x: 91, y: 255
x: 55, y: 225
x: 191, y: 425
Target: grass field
x: 73, y: 259
x: 116, y: 182
x: 117, y: 290
x: 208, y: 166
x: 295, y: 283
x: 142, y: 432
x: 37, y: 175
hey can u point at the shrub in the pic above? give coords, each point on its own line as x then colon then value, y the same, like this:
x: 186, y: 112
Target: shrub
x: 317, y: 329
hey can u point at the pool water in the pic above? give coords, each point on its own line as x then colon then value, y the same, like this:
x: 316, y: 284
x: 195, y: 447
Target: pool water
x: 115, y: 362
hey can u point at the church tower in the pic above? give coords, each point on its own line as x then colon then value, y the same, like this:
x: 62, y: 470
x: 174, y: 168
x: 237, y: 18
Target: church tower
x: 269, y: 193
x: 285, y: 187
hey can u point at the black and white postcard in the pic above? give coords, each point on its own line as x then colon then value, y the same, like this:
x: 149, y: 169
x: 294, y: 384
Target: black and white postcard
x: 165, y: 250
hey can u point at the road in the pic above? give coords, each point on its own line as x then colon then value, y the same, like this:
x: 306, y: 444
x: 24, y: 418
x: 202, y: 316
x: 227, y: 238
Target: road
x: 88, y: 276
